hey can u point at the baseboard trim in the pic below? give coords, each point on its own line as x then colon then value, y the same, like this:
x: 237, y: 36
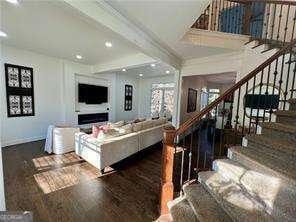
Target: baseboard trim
x: 23, y: 140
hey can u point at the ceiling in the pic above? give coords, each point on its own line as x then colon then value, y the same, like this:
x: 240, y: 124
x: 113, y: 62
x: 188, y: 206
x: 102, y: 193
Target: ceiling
x: 147, y: 70
x: 51, y: 28
x: 167, y: 22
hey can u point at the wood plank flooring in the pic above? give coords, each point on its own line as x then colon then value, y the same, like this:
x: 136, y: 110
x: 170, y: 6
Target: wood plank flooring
x: 66, y: 188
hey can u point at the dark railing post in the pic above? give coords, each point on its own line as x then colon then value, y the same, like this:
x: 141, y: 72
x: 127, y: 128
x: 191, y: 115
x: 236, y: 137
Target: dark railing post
x: 247, y: 18
x: 167, y: 186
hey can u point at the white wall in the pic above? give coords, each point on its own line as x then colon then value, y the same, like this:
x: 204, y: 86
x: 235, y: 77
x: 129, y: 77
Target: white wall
x: 53, y: 99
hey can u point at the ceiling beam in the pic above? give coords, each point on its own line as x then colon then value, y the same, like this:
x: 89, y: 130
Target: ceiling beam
x: 102, y: 13
x: 126, y: 62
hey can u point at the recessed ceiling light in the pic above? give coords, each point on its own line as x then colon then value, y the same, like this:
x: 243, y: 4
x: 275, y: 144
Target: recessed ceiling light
x: 3, y: 34
x: 108, y: 44
x: 123, y: 70
x: 78, y: 57
x: 140, y: 74
x: 152, y: 65
x: 15, y: 2
x: 167, y: 72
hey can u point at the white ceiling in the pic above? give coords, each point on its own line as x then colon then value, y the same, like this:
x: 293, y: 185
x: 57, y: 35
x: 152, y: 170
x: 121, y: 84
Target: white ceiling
x: 51, y: 28
x: 147, y: 70
x: 167, y: 21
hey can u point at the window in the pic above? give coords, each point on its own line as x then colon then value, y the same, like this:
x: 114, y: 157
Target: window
x: 162, y: 99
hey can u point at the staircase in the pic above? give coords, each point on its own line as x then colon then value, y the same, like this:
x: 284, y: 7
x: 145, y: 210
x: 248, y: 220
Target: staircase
x: 248, y: 171
x: 255, y: 183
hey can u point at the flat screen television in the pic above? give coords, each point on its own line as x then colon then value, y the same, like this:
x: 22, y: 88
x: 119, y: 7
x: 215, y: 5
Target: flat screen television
x: 92, y: 94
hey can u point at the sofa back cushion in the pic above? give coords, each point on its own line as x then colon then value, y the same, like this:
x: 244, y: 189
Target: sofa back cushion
x: 137, y: 126
x: 159, y: 121
x: 128, y: 128
x: 147, y: 124
x: 117, y: 124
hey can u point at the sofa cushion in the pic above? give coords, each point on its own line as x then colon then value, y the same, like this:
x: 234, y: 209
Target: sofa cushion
x: 147, y: 124
x: 159, y: 121
x: 137, y: 126
x: 117, y: 124
x: 128, y: 128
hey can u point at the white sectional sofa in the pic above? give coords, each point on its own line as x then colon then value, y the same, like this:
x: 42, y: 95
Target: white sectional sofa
x: 103, y: 153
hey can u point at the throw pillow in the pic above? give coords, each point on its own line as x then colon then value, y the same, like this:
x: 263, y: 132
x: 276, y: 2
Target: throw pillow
x: 95, y: 131
x: 128, y: 128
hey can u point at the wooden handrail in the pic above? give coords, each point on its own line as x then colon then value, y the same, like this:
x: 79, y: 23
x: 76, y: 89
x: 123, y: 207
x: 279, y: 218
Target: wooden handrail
x: 185, y: 126
x: 279, y: 2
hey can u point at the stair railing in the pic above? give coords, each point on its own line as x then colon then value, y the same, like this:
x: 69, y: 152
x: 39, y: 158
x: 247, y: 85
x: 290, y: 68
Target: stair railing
x: 268, y: 20
x: 206, y: 136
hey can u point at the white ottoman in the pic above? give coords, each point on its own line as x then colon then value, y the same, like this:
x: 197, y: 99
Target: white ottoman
x: 64, y: 139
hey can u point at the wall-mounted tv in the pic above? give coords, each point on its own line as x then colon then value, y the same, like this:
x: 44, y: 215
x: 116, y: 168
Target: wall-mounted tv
x: 92, y: 94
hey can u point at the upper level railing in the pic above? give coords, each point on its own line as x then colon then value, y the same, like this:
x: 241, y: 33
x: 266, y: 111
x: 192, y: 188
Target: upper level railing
x: 260, y: 19
x: 206, y: 136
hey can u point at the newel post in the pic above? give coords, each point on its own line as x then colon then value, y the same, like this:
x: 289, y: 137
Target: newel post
x: 167, y: 186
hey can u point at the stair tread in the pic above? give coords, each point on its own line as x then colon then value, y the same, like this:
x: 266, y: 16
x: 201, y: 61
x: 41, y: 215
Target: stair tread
x: 237, y: 202
x: 204, y: 205
x: 286, y: 113
x: 279, y: 126
x: 279, y: 197
x: 281, y: 145
x: 285, y: 169
x: 181, y: 210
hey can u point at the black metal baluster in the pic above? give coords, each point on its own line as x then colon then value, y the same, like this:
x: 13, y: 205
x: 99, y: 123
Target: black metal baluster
x: 219, y: 16
x: 281, y: 76
x: 274, y: 83
x: 273, y: 21
x: 221, y: 28
x: 215, y: 21
x: 293, y: 81
x: 190, y: 154
x: 294, y: 22
x: 232, y: 18
x: 214, y: 134
x: 252, y: 21
x: 266, y: 91
x: 222, y: 128
x: 237, y: 116
x: 228, y: 16
x: 251, y: 113
x: 212, y: 16
x: 260, y: 90
x: 267, y: 22
x: 286, y: 27
x: 198, y: 150
x: 244, y: 115
x: 182, y: 165
x: 280, y: 21
x: 287, y: 79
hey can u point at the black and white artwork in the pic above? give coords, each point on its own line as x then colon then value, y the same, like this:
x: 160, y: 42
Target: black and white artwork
x: 128, y: 98
x: 26, y: 78
x: 19, y: 90
x: 191, y: 102
x: 14, y: 105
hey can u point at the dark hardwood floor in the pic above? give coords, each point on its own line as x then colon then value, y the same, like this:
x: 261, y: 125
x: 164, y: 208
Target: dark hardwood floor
x: 66, y: 188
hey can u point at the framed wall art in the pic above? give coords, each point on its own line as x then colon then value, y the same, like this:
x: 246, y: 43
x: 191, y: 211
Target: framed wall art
x: 19, y: 90
x: 191, y: 102
x: 128, y: 98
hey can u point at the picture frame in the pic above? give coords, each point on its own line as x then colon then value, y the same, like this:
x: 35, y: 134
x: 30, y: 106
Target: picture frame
x: 191, y: 100
x: 128, y: 97
x: 19, y: 90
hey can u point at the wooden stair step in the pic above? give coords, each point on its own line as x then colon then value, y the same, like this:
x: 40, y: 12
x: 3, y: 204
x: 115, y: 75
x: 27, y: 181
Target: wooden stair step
x: 286, y: 117
x: 279, y: 146
x: 181, y: 210
x: 278, y: 197
x: 279, y: 131
x: 239, y: 204
x: 264, y: 163
x: 204, y: 206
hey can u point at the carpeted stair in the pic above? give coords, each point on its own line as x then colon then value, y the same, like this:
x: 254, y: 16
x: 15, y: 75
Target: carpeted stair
x: 256, y: 183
